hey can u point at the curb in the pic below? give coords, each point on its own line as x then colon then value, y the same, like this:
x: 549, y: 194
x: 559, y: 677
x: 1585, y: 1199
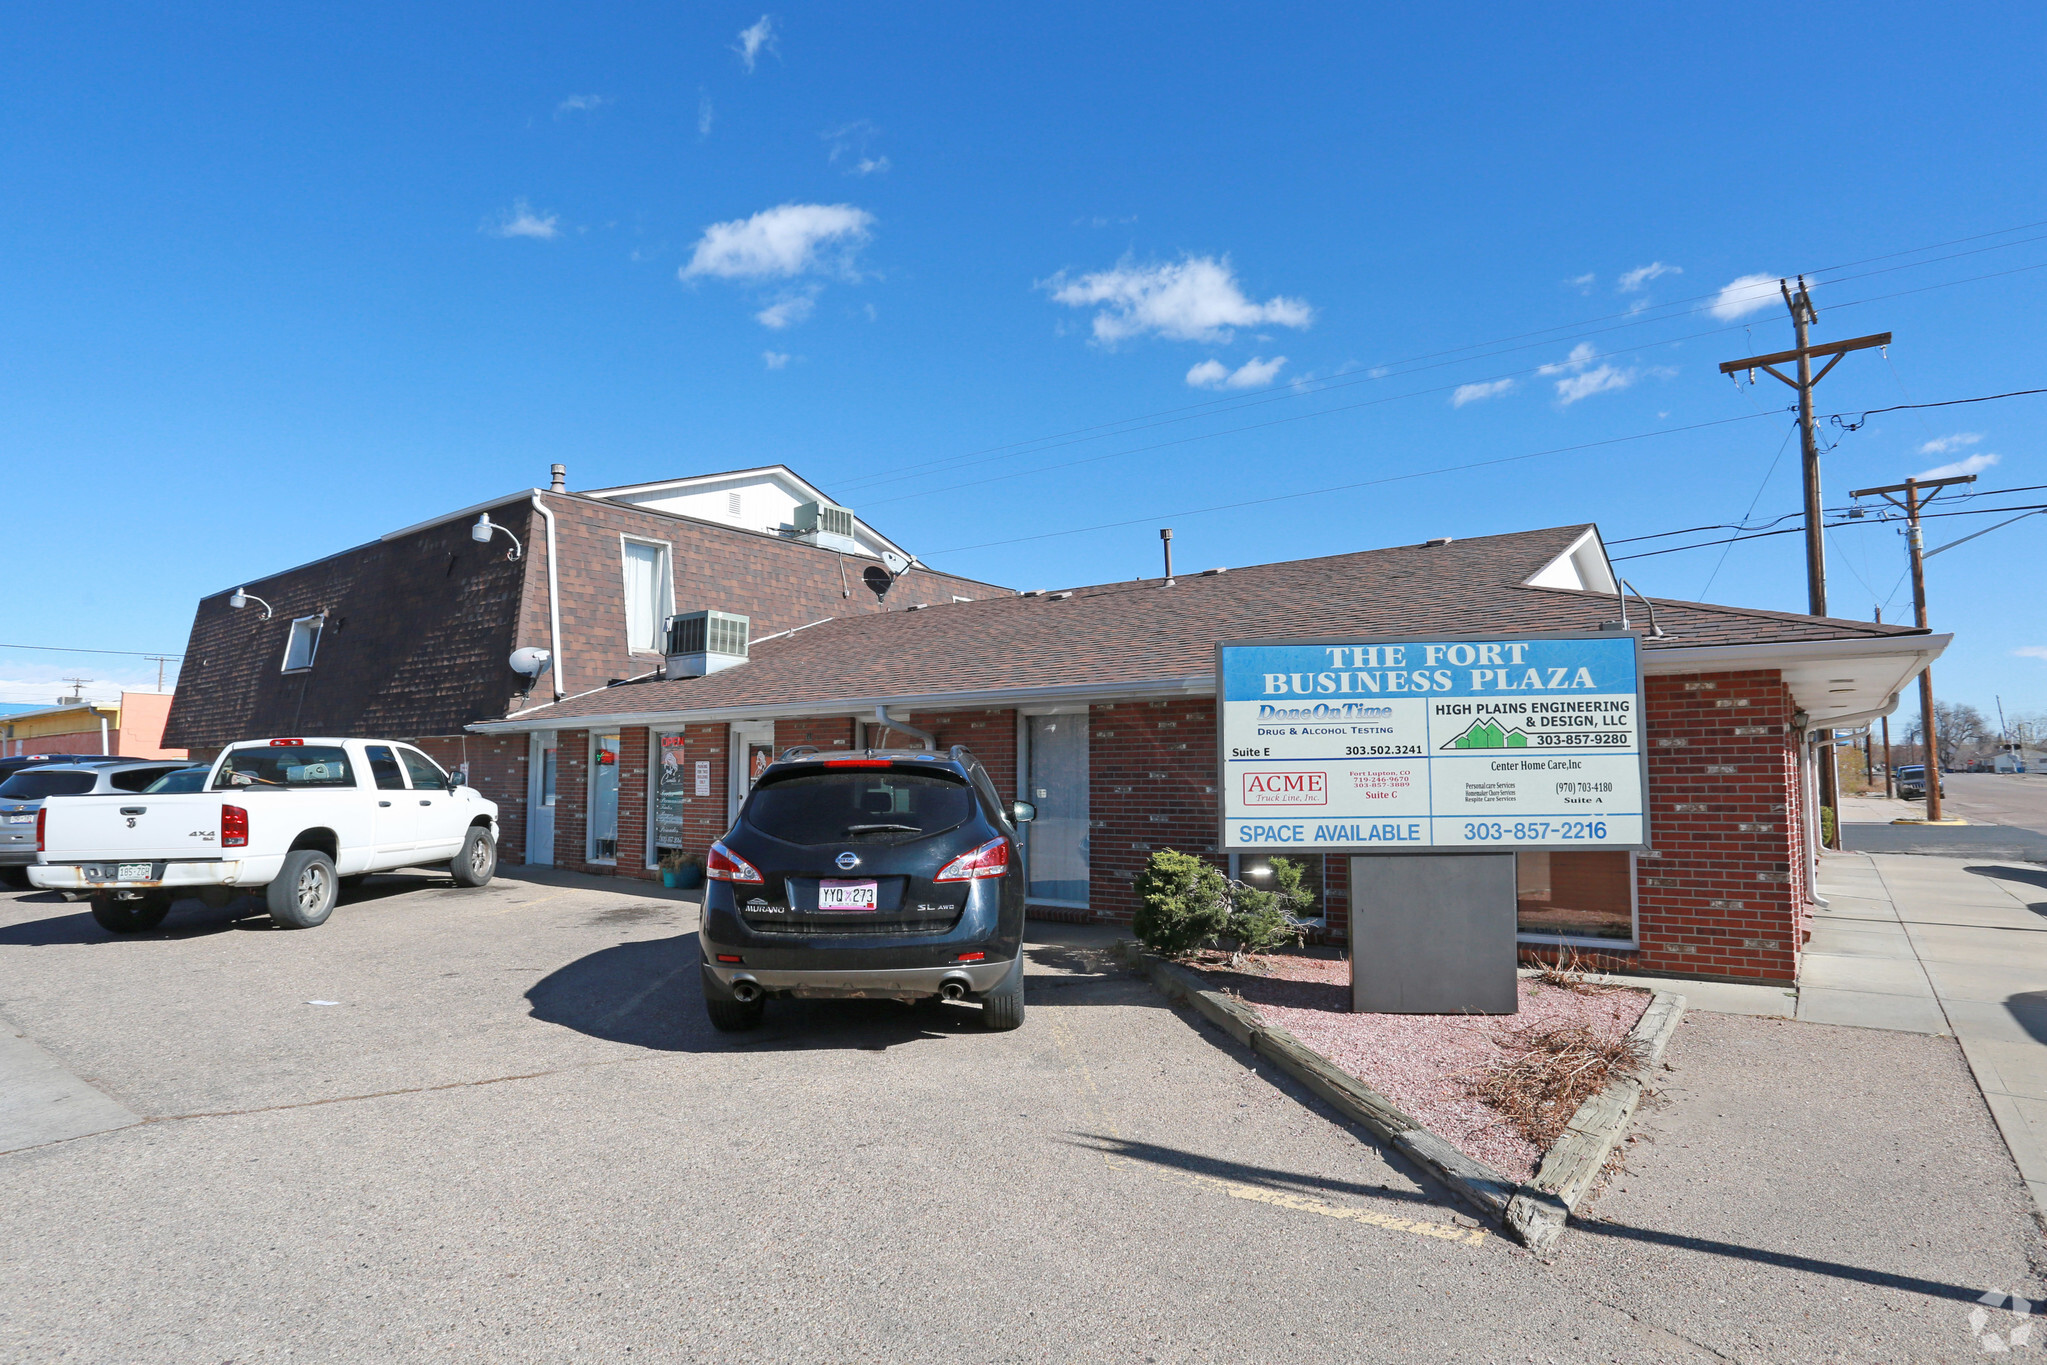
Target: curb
x: 1535, y: 1214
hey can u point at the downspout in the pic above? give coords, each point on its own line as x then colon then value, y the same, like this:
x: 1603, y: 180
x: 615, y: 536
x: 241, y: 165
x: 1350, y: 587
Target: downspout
x: 554, y: 603
x: 930, y: 740
x: 103, y: 730
x: 1809, y: 801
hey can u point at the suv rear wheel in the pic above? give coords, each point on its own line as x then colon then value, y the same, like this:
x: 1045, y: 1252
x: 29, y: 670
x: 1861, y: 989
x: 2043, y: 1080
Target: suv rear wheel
x: 730, y: 1016
x: 1002, y: 1009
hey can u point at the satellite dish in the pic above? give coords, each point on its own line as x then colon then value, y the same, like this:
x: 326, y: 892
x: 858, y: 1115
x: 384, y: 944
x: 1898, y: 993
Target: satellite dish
x: 878, y: 580
x: 530, y: 661
x: 898, y: 564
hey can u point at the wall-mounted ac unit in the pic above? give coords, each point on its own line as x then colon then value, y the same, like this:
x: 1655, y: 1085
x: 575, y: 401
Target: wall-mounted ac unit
x: 701, y: 642
x: 827, y: 525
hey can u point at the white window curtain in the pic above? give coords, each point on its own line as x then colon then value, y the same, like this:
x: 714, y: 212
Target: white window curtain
x: 646, y: 595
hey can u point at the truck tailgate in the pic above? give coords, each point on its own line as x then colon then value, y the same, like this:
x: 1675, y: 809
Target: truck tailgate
x: 82, y: 828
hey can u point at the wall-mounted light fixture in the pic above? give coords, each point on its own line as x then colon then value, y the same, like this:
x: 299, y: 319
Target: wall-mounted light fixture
x: 481, y: 533
x: 241, y: 597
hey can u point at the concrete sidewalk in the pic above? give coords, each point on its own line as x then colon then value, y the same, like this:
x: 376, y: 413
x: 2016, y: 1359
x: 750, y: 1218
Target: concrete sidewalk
x: 1944, y: 945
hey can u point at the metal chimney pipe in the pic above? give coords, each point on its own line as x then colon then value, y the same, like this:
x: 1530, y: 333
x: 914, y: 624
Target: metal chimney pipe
x: 1166, y: 540
x: 561, y: 479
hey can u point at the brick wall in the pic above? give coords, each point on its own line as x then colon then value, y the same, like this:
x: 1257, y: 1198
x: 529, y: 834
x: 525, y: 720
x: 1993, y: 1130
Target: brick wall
x: 828, y: 732
x: 990, y: 735
x: 1151, y: 785
x: 705, y: 820
x: 571, y: 804
x: 497, y: 769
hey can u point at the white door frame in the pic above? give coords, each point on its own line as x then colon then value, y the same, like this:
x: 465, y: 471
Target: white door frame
x: 741, y: 735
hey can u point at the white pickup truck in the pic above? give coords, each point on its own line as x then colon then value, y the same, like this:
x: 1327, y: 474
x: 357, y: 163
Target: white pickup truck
x: 296, y: 819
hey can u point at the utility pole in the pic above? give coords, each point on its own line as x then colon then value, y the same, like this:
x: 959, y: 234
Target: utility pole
x: 77, y: 691
x: 1912, y: 504
x: 1803, y: 315
x: 159, y: 660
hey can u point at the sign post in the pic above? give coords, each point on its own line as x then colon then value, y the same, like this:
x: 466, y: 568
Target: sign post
x: 1432, y: 745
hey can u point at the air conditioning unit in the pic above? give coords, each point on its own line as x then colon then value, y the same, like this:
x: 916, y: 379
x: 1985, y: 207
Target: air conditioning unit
x: 701, y: 642
x: 826, y: 525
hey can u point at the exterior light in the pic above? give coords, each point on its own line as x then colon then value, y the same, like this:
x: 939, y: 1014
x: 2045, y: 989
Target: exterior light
x: 481, y: 534
x: 241, y: 597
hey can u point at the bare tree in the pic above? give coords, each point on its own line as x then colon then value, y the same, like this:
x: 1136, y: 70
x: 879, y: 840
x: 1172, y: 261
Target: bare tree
x: 1959, y: 729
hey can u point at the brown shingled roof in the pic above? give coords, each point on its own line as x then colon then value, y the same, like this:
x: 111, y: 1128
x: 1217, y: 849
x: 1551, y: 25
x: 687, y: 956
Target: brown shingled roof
x: 1145, y: 633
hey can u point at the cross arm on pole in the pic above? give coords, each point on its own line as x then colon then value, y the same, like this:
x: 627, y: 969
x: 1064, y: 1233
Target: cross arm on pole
x: 1832, y: 348
x: 1913, y: 483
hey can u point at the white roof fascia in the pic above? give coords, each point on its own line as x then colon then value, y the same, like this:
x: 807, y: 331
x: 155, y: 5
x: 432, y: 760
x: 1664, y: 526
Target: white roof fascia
x: 662, y: 485
x: 1198, y: 685
x: 1565, y: 571
x: 1690, y: 659
x: 447, y: 517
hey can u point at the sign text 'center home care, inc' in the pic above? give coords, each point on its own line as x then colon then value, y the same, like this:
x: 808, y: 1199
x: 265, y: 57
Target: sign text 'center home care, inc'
x: 1503, y: 742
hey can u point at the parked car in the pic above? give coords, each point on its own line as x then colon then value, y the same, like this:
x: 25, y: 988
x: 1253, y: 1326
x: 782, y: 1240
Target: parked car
x: 10, y: 766
x: 1912, y: 783
x: 180, y: 780
x: 22, y: 796
x: 296, y: 819
x: 890, y: 874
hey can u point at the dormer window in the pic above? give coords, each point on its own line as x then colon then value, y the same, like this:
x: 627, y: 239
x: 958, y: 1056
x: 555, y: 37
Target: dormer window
x: 649, y: 595
x: 303, y: 644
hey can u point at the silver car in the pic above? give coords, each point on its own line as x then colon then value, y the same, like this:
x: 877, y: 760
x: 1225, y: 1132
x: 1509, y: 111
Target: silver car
x: 22, y: 797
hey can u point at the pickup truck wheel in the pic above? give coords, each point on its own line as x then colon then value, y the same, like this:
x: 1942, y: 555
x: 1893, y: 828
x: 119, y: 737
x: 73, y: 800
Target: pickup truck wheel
x: 478, y: 860
x: 303, y: 895
x: 117, y: 916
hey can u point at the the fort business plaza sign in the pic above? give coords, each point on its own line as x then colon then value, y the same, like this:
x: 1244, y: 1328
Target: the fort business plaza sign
x: 1507, y: 741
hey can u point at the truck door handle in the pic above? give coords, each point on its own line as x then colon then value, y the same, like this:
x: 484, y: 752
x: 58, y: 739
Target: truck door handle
x: 383, y: 803
x: 133, y: 810
x: 426, y: 803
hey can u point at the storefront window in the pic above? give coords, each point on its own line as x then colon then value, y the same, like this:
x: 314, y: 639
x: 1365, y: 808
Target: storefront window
x: 669, y: 791
x: 1255, y: 869
x: 1576, y: 894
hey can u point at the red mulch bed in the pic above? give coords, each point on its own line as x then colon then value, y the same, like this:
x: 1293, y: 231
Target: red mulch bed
x: 1422, y: 1062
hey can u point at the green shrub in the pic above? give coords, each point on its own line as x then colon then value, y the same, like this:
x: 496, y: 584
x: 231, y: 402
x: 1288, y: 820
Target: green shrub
x: 1182, y: 903
x: 1263, y: 919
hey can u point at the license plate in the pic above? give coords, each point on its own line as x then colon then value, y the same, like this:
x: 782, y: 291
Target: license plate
x: 133, y: 872
x: 21, y: 819
x: 833, y: 894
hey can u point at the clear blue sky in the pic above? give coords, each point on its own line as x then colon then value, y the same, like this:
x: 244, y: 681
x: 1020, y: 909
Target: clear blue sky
x: 275, y: 280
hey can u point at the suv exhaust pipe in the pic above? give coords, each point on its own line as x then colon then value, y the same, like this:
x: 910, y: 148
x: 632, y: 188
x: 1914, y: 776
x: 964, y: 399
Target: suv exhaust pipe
x: 746, y: 992
x: 953, y: 988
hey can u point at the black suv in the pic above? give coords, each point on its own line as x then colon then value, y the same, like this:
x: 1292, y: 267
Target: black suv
x: 872, y: 874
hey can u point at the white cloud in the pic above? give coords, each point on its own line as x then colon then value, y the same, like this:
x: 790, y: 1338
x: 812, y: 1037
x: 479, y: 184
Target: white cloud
x: 1472, y: 393
x: 1196, y: 299
x: 1582, y: 283
x: 786, y: 312
x: 849, y: 143
x: 1642, y: 274
x: 584, y: 103
x: 522, y: 221
x: 1739, y: 298
x: 792, y: 239
x: 1254, y: 373
x: 1581, y: 379
x: 705, y: 113
x: 2031, y: 651
x: 1974, y: 464
x: 1941, y: 445
x: 775, y: 360
x: 755, y: 39
x: 870, y: 165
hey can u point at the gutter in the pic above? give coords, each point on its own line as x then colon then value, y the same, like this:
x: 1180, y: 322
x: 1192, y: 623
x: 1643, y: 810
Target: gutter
x: 554, y: 601
x: 930, y: 740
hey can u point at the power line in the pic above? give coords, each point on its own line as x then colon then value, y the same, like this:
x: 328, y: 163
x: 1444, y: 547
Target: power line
x: 54, y: 649
x: 1389, y: 369
x: 1831, y: 525
x: 1347, y: 487
x: 1866, y: 414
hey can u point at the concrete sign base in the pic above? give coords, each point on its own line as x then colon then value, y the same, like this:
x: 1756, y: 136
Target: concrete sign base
x: 1433, y: 933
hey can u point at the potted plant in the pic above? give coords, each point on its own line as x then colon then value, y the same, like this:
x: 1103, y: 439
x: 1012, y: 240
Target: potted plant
x: 683, y: 870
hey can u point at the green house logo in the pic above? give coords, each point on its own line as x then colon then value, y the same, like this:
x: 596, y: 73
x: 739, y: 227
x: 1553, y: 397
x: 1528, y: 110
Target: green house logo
x: 1487, y: 734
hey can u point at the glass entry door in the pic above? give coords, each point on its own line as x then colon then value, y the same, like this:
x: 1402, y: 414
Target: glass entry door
x: 1057, y: 846
x: 604, y: 797
x: 540, y: 761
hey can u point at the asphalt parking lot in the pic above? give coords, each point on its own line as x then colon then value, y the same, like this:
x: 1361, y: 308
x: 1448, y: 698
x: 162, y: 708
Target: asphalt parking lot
x: 494, y: 1124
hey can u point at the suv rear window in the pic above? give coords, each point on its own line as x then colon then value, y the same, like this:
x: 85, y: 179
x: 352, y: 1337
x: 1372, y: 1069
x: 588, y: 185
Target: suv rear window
x: 833, y: 807
x: 284, y: 765
x: 37, y: 783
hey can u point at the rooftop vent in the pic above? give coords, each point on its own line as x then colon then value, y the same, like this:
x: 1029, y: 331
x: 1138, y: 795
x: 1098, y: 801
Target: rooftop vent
x: 826, y: 525
x: 1437, y: 540
x: 702, y: 642
x: 1211, y: 573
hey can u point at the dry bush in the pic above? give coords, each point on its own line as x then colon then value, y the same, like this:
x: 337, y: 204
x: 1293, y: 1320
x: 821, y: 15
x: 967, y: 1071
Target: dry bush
x: 1572, y: 971
x: 1553, y: 1071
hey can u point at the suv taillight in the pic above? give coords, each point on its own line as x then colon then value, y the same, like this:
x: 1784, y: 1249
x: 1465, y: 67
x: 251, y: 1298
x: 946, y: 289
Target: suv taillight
x: 42, y: 823
x: 989, y: 860
x: 723, y: 865
x: 234, y: 827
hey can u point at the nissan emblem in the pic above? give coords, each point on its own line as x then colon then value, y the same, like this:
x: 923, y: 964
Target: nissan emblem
x: 847, y: 861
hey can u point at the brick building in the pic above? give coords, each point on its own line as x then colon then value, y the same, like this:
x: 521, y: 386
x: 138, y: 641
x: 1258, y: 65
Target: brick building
x: 1099, y: 704
x: 412, y: 635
